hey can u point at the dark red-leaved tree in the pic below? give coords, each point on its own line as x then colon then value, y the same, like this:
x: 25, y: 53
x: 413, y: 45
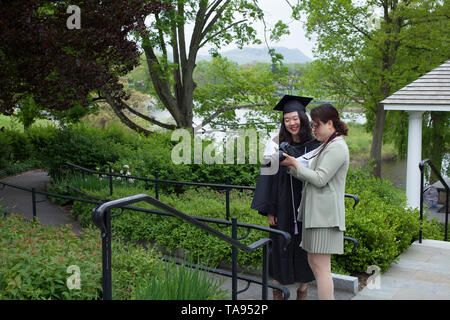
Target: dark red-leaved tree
x: 61, y: 67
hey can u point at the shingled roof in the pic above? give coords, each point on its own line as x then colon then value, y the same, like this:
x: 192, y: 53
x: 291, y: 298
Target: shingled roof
x: 431, y: 92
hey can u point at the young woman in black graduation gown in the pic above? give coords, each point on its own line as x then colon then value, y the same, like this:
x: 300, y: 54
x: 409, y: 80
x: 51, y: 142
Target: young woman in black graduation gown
x: 278, y: 197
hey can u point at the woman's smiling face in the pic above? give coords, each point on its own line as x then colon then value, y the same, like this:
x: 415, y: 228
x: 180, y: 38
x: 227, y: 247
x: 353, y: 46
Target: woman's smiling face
x: 292, y: 122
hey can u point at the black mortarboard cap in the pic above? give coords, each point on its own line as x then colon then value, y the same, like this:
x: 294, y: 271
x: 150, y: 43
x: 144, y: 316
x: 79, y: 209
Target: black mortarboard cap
x: 292, y: 103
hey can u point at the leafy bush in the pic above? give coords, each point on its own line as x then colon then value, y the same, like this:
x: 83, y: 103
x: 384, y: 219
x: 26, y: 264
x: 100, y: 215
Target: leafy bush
x: 80, y: 145
x: 12, y: 168
x: 34, y: 260
x: 5, y: 150
x: 15, y: 146
x: 40, y: 138
x: 382, y: 223
x: 172, y: 233
x: 98, y: 149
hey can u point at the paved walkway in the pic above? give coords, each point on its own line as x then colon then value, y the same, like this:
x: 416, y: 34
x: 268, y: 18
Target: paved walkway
x: 437, y: 212
x: 423, y: 271
x: 19, y: 201
x: 254, y: 292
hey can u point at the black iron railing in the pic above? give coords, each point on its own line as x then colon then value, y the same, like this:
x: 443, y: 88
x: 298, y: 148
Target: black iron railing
x: 102, y: 218
x: 155, y: 182
x: 198, y: 221
x: 225, y: 187
x: 422, y: 179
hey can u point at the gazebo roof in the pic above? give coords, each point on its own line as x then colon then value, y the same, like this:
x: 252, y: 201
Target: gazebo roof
x: 431, y: 92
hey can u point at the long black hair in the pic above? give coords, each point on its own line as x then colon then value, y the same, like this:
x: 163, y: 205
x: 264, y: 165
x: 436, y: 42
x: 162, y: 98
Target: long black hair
x: 304, y: 133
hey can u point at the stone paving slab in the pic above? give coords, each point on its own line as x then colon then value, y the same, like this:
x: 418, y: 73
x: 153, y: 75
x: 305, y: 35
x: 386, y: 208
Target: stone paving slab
x: 254, y: 292
x: 422, y: 273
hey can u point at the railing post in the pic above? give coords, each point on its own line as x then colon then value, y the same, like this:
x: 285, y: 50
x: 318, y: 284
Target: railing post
x: 446, y: 217
x: 421, y: 202
x: 106, y: 258
x: 156, y: 185
x: 227, y: 197
x: 33, y: 199
x: 110, y: 181
x: 234, y: 260
x: 265, y: 270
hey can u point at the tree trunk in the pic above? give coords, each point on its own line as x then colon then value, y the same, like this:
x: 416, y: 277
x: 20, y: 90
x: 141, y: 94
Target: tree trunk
x: 117, y: 108
x: 377, y: 139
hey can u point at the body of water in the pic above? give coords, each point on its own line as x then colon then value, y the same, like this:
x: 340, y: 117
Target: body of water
x: 395, y: 172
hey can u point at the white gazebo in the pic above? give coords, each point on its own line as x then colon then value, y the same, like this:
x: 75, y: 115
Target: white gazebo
x: 430, y: 92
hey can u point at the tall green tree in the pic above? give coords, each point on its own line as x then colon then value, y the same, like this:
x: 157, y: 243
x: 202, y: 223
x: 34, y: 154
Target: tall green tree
x: 224, y: 87
x: 171, y: 51
x: 370, y: 49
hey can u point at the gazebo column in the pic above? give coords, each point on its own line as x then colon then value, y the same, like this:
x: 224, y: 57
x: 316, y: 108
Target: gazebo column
x: 413, y: 158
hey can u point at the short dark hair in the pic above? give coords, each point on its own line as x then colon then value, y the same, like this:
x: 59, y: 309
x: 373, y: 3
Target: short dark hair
x: 304, y: 133
x: 326, y: 112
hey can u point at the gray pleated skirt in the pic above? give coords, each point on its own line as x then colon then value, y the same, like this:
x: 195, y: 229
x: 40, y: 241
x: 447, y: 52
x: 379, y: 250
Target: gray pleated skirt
x: 322, y: 240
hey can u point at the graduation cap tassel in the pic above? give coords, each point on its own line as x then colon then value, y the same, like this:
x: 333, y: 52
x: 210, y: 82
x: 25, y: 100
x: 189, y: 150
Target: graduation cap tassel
x: 293, y: 209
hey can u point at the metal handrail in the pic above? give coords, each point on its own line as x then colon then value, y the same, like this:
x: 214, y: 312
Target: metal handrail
x: 99, y: 218
x: 227, y: 188
x: 422, y: 178
x: 234, y: 225
x: 201, y: 184
x: 102, y: 218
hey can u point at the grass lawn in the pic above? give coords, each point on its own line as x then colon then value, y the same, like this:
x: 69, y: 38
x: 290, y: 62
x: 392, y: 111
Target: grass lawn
x: 13, y: 123
x: 359, y: 142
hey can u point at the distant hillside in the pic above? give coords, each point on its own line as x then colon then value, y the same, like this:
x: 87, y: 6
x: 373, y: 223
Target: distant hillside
x: 248, y: 55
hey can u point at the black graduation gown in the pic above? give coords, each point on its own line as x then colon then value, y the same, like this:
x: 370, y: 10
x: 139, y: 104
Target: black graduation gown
x: 273, y: 195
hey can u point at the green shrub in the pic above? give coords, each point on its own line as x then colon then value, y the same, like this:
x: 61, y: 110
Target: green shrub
x: 40, y: 137
x: 19, y: 147
x: 80, y: 145
x: 171, y: 233
x: 34, y: 260
x: 13, y: 168
x: 382, y: 223
x: 5, y: 150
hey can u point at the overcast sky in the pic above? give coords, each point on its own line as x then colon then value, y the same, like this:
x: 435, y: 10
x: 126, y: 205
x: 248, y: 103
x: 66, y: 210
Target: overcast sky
x: 275, y: 10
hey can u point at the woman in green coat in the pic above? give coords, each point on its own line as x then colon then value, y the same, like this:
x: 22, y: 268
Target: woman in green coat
x: 322, y: 208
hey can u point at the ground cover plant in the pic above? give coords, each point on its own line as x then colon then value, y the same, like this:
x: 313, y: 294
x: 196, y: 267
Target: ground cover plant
x: 38, y: 262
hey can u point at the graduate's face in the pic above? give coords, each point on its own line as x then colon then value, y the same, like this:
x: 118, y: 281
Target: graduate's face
x: 292, y: 122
